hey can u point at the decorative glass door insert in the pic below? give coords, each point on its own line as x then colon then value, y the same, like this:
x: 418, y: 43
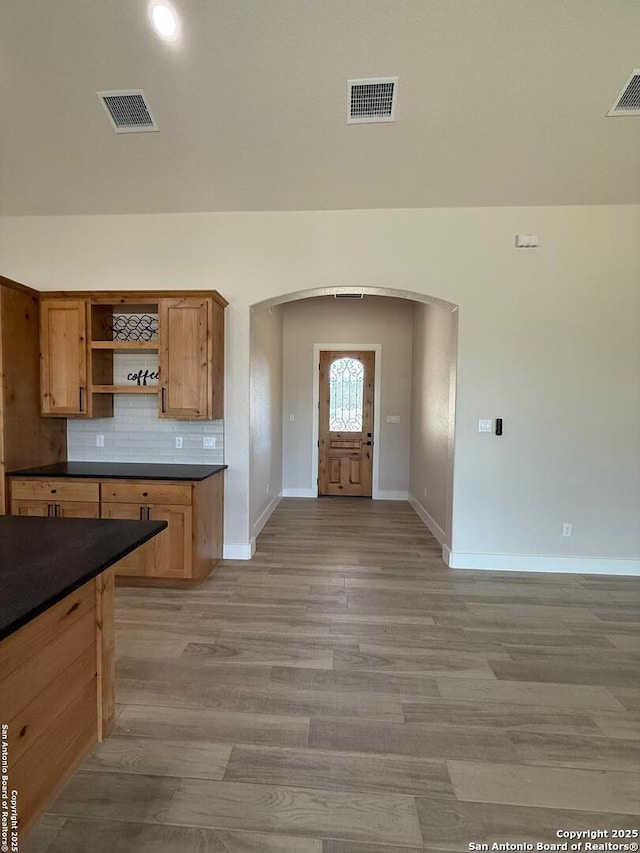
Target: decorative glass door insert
x: 346, y: 394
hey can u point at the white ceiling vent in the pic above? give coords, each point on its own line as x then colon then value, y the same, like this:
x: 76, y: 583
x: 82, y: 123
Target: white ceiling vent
x: 128, y: 111
x: 371, y: 100
x: 628, y: 101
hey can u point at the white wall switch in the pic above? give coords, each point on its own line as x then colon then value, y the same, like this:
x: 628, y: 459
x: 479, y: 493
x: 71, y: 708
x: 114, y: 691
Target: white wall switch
x: 527, y: 241
x: 99, y: 441
x: 485, y: 425
x: 209, y: 442
x: 178, y: 442
x: 292, y: 417
x: 566, y: 528
x: 393, y: 419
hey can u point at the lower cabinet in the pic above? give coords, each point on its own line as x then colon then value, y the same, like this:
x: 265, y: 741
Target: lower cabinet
x: 55, y: 498
x: 185, y: 552
x: 135, y: 563
x: 170, y: 556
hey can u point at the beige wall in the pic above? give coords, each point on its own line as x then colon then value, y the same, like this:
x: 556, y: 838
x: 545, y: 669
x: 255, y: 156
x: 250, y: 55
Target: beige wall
x: 265, y: 414
x: 548, y: 340
x: 325, y: 320
x: 433, y: 415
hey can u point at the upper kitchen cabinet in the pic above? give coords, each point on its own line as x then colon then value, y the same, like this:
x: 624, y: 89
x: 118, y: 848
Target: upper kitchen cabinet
x: 64, y: 351
x: 190, y: 358
x: 85, y: 336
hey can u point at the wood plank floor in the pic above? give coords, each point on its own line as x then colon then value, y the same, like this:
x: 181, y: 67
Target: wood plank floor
x: 346, y: 692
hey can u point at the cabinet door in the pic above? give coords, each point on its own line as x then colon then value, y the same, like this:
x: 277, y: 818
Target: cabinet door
x: 172, y: 549
x: 184, y: 358
x: 39, y: 508
x: 63, y: 358
x: 77, y: 509
x: 138, y: 562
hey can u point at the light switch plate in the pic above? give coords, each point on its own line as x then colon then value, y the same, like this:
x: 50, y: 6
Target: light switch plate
x: 527, y: 241
x: 485, y: 425
x: 209, y: 442
x: 99, y: 440
x: 393, y: 419
x: 178, y: 442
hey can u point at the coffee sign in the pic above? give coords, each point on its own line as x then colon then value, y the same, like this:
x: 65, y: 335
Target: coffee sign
x: 140, y: 377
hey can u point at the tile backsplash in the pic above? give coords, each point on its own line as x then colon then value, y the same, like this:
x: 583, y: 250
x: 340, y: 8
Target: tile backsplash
x: 135, y: 433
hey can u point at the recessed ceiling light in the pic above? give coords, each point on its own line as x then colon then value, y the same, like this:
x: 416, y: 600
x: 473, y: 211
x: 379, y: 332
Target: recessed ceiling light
x: 165, y: 21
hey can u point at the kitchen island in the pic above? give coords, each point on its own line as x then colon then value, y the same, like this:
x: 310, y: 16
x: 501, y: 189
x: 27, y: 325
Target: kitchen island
x: 56, y: 652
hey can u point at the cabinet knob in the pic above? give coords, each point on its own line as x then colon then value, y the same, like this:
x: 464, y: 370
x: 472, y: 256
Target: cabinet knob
x: 145, y: 494
x: 53, y: 491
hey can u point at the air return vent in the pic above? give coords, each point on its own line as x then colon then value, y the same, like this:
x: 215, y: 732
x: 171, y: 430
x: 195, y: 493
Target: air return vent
x: 128, y: 111
x: 371, y: 100
x: 628, y: 101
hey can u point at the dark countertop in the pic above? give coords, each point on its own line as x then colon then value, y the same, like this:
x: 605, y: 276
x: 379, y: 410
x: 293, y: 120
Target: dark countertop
x: 121, y: 471
x: 42, y: 560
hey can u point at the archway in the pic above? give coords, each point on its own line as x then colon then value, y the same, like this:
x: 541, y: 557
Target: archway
x: 431, y: 442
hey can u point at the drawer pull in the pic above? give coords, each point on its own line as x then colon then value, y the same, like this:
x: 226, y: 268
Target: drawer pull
x: 72, y: 608
x: 23, y: 731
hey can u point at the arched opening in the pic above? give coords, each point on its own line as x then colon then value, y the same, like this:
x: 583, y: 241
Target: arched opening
x: 415, y: 339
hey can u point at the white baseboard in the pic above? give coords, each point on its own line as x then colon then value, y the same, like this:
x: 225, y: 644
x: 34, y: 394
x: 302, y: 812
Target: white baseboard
x: 239, y: 550
x: 266, y: 515
x: 429, y: 522
x: 385, y: 495
x: 541, y: 563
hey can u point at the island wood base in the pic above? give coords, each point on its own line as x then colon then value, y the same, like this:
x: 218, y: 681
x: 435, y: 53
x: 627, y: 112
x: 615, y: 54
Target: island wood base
x: 57, y: 693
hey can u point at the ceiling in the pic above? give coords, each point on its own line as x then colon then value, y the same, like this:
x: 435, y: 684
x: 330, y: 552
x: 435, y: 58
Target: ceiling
x: 500, y: 102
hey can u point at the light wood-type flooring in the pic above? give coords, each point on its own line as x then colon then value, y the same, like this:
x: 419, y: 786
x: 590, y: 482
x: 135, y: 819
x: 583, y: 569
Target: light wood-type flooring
x: 346, y: 692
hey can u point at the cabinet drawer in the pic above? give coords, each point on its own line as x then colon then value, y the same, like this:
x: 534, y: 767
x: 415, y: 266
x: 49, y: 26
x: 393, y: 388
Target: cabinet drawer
x: 147, y: 493
x: 27, y: 681
x: 61, y: 490
x: 31, y: 639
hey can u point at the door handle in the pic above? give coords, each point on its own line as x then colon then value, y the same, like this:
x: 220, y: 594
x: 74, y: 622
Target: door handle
x: 57, y: 510
x: 142, y: 509
x: 49, y: 512
x: 148, y: 513
x: 368, y: 443
x: 162, y: 401
x: 81, y: 398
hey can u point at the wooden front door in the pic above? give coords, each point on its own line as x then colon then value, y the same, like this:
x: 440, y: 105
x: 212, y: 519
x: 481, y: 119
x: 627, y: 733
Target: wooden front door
x: 346, y: 423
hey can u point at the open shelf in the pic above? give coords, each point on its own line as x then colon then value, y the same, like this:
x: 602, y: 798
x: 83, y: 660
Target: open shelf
x: 124, y: 389
x: 125, y: 346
